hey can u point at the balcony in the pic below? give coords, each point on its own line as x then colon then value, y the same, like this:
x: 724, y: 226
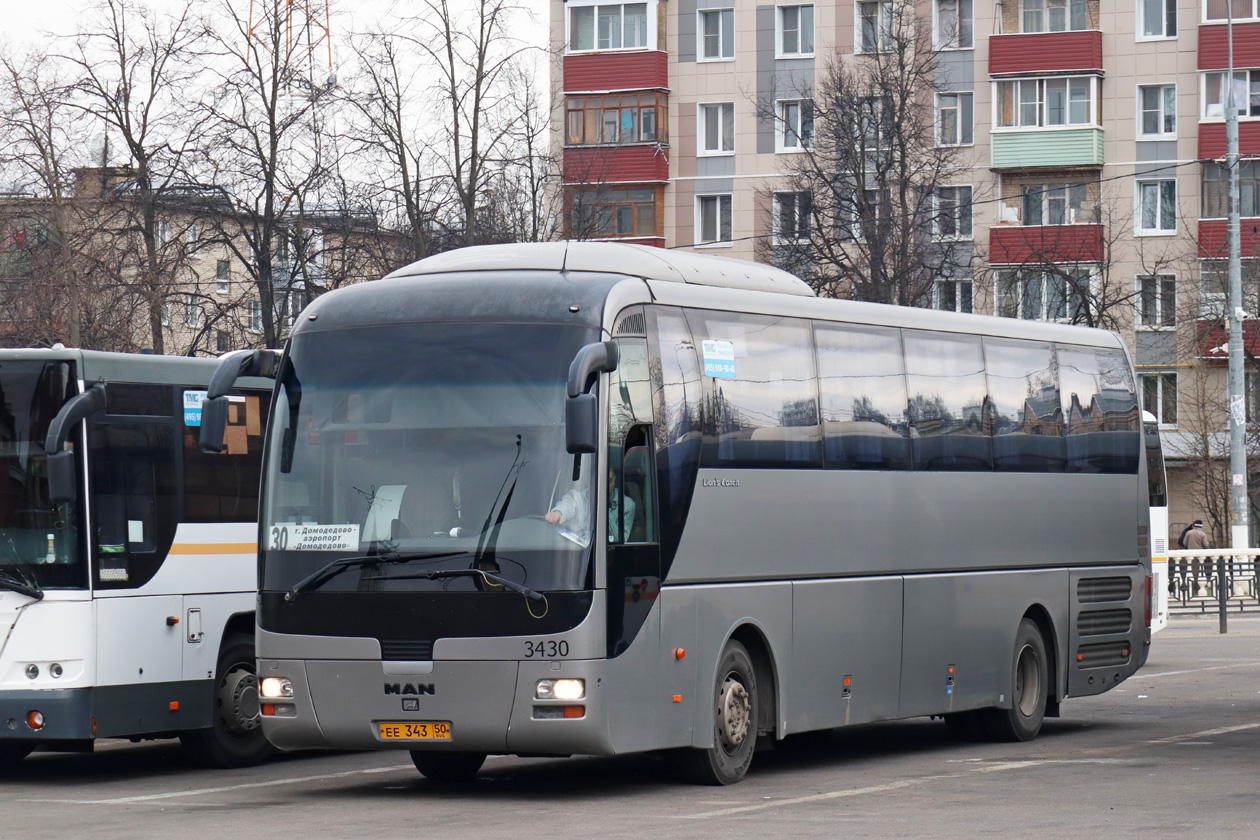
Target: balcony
x: 1037, y: 54
x: 1212, y: 336
x: 1214, y: 45
x: 639, y: 164
x: 1044, y: 244
x: 1213, y: 237
x: 1047, y: 148
x: 645, y: 70
x: 1212, y: 139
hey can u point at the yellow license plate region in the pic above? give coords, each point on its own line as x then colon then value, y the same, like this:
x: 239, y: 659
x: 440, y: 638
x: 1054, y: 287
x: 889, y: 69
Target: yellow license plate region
x: 427, y: 730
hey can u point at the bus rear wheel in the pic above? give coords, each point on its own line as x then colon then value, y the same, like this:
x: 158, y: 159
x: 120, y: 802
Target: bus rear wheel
x: 1030, y: 685
x: 234, y: 737
x: 735, y: 709
x: 447, y: 766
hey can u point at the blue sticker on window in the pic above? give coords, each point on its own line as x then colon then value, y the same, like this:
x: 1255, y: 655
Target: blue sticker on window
x: 719, y: 358
x: 192, y: 407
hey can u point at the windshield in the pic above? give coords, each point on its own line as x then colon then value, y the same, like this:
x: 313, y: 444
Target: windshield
x: 39, y: 542
x: 426, y: 439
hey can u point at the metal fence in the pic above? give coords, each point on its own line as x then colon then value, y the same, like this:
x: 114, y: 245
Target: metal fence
x: 1213, y: 582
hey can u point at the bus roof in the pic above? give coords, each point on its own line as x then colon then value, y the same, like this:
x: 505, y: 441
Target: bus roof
x: 101, y: 366
x: 613, y: 258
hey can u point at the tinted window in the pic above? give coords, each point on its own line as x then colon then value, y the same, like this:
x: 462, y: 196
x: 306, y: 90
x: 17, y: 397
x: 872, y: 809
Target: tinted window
x: 862, y: 393
x: 1025, y: 415
x: 224, y: 487
x: 133, y: 500
x: 764, y: 395
x: 1101, y: 409
x: 141, y: 400
x: 945, y: 382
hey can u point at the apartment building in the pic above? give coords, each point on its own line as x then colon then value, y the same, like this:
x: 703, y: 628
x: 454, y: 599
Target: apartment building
x: 1089, y: 141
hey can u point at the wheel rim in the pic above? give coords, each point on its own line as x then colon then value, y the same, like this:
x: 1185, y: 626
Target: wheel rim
x: 734, y: 712
x: 1027, y: 681
x: 238, y: 701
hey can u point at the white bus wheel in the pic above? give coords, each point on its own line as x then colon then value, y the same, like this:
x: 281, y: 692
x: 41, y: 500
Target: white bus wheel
x: 735, y: 709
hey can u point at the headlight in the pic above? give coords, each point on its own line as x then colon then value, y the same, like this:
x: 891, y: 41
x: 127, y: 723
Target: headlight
x: 277, y: 687
x: 560, y: 690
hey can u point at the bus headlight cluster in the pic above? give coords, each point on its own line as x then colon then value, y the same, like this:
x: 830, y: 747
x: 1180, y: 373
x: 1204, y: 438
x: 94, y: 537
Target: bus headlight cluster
x: 276, y: 687
x: 569, y: 689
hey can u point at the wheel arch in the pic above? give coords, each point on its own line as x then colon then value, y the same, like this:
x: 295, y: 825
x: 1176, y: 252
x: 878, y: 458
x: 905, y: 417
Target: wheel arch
x: 756, y: 642
x: 1039, y: 615
x: 242, y: 622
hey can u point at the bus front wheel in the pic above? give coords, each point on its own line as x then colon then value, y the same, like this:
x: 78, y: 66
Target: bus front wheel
x: 735, y: 710
x: 447, y: 766
x: 1030, y: 685
x: 234, y: 737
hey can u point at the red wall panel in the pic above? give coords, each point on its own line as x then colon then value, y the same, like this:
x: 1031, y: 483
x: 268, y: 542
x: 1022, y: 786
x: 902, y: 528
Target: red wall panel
x: 616, y: 71
x: 1214, y: 46
x: 603, y: 164
x: 1032, y: 245
x: 1045, y: 52
x: 1212, y: 139
x: 1212, y: 235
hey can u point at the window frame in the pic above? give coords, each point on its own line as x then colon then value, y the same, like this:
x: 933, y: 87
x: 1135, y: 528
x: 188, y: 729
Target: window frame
x: 726, y: 107
x: 650, y: 13
x: 803, y: 230
x: 885, y: 21
x: 962, y: 211
x: 611, y: 200
x: 1043, y: 103
x: 1162, y: 284
x: 1166, y: 23
x: 1044, y: 11
x: 780, y: 29
x: 943, y: 41
x: 966, y: 129
x: 789, y: 139
x: 938, y: 286
x: 1139, y: 197
x: 596, y: 123
x: 717, y: 197
x: 1159, y: 378
x: 723, y: 47
x: 1250, y: 81
x: 1021, y: 275
x: 222, y: 276
x: 1203, y: 11
x: 1163, y: 115
x: 1073, y: 211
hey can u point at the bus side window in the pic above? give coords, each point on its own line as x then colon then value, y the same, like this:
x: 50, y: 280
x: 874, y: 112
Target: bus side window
x: 224, y: 487
x: 636, y: 484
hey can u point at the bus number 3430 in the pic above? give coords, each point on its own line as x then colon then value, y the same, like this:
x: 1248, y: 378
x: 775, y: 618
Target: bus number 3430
x: 545, y: 648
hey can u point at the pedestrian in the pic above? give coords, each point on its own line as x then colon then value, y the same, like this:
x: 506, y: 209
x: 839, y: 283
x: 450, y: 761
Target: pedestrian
x: 1197, y: 540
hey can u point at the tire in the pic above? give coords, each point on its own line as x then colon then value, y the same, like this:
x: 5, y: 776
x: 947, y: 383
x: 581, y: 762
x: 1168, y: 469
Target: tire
x: 447, y: 766
x: 11, y: 755
x: 1030, y: 685
x: 735, y: 710
x: 234, y: 737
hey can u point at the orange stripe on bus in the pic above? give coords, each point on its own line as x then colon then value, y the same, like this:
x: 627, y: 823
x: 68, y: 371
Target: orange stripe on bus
x: 214, y: 548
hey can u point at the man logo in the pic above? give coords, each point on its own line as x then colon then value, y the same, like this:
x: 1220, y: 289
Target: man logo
x: 408, y: 688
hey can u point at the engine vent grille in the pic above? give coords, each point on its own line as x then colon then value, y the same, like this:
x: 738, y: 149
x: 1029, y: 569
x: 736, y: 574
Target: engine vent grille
x: 1097, y: 590
x: 1102, y: 655
x: 407, y: 650
x: 1103, y: 622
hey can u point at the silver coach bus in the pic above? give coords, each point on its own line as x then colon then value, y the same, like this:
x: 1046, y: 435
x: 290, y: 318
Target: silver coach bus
x: 589, y: 498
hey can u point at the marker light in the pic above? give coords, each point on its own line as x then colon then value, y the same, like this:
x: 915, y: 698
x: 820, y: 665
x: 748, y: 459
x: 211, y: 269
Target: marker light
x: 276, y: 687
x: 35, y: 720
x: 560, y: 690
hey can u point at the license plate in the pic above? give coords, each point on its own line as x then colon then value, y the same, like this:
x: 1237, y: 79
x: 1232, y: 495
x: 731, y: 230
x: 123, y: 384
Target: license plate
x: 425, y: 730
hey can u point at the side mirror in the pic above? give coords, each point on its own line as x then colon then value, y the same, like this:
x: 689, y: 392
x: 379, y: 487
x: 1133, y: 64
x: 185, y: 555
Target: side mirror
x: 581, y: 411
x: 214, y: 408
x: 62, y: 486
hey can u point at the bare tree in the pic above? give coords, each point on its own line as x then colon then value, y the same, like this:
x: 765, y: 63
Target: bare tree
x: 858, y: 215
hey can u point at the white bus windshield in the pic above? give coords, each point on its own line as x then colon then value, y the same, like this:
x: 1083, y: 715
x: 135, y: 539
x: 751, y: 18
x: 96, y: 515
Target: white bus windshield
x: 443, y: 439
x: 39, y: 541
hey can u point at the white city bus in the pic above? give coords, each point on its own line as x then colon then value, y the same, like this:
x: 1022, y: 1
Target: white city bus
x: 585, y: 498
x: 1158, y: 482
x: 127, y: 556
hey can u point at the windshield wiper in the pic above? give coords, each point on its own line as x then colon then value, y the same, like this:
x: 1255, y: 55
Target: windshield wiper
x: 30, y: 590
x: 336, y: 567
x: 439, y: 574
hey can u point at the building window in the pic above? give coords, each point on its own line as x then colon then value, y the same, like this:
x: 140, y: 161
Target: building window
x: 796, y: 31
x: 192, y: 311
x: 617, y: 118
x: 953, y: 212
x: 163, y: 233
x: 1052, y: 15
x: 713, y: 218
x: 954, y: 25
x: 1216, y: 190
x: 608, y: 27
x: 862, y: 217
x: 1159, y: 396
x: 1157, y: 301
x: 1029, y: 103
x: 954, y: 119
x: 875, y: 25
x: 255, y: 315
x: 222, y: 276
x: 1159, y: 18
x: 792, y: 216
x: 796, y: 125
x: 717, y: 35
x: 1054, y: 204
x: 717, y: 128
x: 166, y: 314
x: 1157, y: 206
x: 952, y: 295
x: 598, y: 214
x: 1246, y: 94
x: 1057, y: 295
x: 1220, y: 10
x: 1157, y: 106
x: 222, y: 341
